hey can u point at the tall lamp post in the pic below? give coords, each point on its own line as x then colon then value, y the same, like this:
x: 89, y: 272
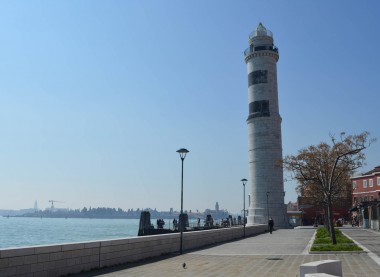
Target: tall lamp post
x: 268, y: 206
x: 286, y: 218
x: 182, y: 153
x: 244, y: 181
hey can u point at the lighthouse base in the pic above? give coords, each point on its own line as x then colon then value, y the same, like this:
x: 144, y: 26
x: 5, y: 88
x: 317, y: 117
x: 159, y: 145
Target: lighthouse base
x: 260, y: 216
x: 256, y: 216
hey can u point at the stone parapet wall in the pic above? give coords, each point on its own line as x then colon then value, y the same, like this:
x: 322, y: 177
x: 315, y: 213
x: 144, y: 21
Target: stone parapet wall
x: 64, y: 259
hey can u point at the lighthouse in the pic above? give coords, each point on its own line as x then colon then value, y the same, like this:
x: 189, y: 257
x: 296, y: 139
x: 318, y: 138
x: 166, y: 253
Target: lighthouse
x: 266, y: 194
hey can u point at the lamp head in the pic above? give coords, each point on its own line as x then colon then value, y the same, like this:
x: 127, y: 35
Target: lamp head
x: 182, y: 153
x: 244, y: 181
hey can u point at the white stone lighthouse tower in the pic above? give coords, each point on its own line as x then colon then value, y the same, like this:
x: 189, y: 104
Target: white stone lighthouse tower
x: 266, y: 197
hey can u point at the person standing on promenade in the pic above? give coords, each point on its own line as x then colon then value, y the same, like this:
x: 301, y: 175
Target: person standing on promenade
x: 270, y: 224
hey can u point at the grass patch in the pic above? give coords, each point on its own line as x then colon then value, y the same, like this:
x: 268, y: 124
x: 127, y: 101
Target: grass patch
x: 336, y: 247
x: 322, y: 242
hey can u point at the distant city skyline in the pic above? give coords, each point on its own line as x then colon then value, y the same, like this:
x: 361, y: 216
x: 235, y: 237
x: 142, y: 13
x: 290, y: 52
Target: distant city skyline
x: 97, y: 97
x: 64, y: 208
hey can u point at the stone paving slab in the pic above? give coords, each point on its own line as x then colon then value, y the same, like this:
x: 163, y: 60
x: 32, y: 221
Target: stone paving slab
x: 283, y: 241
x: 370, y: 239
x: 258, y: 265
x: 279, y: 254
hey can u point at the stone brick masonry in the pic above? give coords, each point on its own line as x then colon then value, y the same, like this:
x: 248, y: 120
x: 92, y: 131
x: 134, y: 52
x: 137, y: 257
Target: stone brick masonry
x: 64, y: 259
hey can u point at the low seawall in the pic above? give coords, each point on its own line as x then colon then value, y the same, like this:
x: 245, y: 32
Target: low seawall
x: 64, y: 259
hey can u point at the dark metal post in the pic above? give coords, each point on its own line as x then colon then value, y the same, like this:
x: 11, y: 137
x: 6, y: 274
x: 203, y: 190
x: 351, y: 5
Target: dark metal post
x: 244, y: 182
x: 182, y: 153
x: 181, y: 215
x: 268, y: 207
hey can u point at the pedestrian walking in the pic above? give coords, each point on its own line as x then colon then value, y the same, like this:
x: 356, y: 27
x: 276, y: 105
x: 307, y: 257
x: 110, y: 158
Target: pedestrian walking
x: 270, y: 224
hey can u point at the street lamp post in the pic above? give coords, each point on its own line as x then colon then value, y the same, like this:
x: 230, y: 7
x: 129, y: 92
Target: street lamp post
x: 268, y: 206
x: 182, y: 153
x: 244, y: 181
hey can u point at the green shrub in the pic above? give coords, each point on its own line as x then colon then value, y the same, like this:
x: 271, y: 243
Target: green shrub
x: 339, y: 239
x: 322, y: 232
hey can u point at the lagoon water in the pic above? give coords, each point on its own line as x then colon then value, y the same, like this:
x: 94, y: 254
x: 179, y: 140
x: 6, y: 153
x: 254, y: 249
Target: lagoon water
x: 32, y: 231
x: 25, y: 231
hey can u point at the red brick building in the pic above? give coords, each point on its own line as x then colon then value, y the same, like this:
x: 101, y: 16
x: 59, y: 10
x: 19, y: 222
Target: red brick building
x: 316, y: 214
x: 366, y: 187
x: 366, y: 198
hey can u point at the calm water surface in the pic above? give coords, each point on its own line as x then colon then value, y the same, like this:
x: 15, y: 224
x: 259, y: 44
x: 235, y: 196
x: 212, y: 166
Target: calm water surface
x: 23, y: 231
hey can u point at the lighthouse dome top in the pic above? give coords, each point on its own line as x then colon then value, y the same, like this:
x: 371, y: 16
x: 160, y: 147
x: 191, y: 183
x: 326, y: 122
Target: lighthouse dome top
x: 261, y: 31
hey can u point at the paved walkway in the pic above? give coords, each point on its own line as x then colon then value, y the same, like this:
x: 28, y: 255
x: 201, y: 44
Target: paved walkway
x: 279, y: 254
x: 368, y: 238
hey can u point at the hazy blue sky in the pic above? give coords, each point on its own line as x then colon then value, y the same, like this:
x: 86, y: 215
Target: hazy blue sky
x: 97, y: 96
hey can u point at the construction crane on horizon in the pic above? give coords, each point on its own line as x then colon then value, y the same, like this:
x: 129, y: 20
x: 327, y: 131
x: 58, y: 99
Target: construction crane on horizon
x: 53, y: 201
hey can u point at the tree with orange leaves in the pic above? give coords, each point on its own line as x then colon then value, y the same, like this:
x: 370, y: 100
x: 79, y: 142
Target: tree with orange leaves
x: 323, y: 171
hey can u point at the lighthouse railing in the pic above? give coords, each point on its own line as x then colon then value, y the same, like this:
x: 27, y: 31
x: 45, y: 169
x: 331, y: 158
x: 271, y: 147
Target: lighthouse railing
x: 252, y: 49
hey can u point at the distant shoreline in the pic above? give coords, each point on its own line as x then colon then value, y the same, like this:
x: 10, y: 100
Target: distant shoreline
x: 67, y: 217
x: 112, y: 213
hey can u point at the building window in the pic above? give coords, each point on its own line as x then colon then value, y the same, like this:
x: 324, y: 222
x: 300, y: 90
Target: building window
x: 370, y: 183
x: 378, y: 181
x: 354, y: 184
x: 259, y: 108
x: 257, y: 77
x: 364, y: 183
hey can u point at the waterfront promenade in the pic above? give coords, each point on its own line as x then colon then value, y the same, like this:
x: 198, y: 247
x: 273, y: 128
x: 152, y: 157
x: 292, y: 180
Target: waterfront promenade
x: 279, y: 254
